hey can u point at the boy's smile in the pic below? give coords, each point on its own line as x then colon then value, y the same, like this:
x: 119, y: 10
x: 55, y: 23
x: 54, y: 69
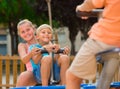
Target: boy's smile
x: 44, y: 36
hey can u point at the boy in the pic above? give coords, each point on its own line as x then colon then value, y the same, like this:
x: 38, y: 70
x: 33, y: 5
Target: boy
x: 44, y: 37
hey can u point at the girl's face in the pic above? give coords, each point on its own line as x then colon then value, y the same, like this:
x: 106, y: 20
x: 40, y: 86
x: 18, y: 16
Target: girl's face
x: 44, y: 36
x: 26, y: 32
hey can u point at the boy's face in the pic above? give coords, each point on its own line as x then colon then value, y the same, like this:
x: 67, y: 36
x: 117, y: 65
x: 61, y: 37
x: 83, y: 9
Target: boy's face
x: 44, y: 36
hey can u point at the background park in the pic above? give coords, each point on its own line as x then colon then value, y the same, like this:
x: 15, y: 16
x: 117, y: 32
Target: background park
x: 60, y: 14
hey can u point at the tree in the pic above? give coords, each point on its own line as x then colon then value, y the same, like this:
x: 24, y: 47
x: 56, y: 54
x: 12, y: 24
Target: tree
x: 63, y: 12
x: 12, y: 11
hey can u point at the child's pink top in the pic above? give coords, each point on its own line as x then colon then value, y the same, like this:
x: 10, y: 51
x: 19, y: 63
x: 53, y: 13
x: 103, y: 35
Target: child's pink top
x: 28, y: 65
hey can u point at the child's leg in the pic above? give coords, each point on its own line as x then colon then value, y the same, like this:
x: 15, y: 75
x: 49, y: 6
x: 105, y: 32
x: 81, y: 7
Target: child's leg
x: 64, y: 63
x: 26, y: 79
x: 72, y: 81
x: 109, y: 68
x: 45, y: 69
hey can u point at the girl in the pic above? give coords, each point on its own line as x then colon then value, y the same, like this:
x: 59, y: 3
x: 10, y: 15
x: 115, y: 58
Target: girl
x: 26, y: 31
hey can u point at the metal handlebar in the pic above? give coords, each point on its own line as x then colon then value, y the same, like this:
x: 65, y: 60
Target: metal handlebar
x: 60, y: 51
x: 45, y: 51
x: 93, y: 13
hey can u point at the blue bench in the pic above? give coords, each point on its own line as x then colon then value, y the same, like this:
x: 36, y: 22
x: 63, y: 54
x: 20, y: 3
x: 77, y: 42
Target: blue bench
x: 115, y: 84
x: 89, y: 86
x: 84, y: 86
x: 41, y: 87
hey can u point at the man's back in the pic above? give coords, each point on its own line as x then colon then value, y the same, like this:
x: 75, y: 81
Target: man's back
x: 107, y: 29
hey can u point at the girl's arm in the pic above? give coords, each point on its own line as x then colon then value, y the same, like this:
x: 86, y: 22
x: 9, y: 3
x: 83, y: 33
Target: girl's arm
x: 37, y: 56
x: 22, y: 50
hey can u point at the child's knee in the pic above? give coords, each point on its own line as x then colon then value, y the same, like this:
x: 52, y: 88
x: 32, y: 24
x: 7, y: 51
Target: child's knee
x: 65, y: 58
x: 46, y: 59
x: 71, y: 76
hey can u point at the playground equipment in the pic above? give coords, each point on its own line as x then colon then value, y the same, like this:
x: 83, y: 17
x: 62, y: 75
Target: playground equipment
x: 83, y: 86
x: 93, y: 13
x: 45, y: 51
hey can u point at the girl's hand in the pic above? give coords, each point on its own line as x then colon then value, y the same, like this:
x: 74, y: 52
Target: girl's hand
x: 36, y: 55
x: 35, y: 51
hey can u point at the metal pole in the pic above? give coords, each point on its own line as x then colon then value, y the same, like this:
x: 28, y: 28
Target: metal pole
x: 55, y: 37
x: 52, y: 54
x: 49, y: 12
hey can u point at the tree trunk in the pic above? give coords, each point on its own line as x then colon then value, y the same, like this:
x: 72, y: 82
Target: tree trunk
x: 72, y: 37
x: 14, y: 37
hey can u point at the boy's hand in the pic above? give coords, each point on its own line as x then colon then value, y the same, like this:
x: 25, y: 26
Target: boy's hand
x: 80, y: 10
x: 48, y: 47
x: 56, y: 47
x: 66, y: 50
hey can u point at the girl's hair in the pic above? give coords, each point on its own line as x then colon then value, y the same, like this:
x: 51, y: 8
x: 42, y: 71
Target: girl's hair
x: 23, y: 22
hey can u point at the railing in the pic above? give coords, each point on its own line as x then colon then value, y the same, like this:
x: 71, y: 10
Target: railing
x: 11, y: 67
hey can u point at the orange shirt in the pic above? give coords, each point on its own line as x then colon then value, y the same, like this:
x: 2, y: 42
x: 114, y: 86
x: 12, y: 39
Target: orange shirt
x: 107, y: 29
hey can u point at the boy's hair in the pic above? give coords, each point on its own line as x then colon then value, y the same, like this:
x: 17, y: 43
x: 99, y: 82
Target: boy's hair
x: 43, y: 26
x: 23, y: 22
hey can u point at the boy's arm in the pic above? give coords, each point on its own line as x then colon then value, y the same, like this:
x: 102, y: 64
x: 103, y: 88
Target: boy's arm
x: 88, y: 5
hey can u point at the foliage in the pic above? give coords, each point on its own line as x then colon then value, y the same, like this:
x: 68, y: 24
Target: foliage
x: 63, y: 14
x: 12, y: 11
x: 64, y: 11
x: 17, y: 10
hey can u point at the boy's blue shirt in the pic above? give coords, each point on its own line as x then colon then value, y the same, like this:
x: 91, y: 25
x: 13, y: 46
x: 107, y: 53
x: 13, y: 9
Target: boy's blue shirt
x: 36, y: 67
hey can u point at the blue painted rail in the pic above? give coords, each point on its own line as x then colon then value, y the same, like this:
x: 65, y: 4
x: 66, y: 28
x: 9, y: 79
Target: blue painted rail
x: 84, y: 86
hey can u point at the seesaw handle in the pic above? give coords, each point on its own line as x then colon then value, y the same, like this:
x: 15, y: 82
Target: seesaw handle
x: 45, y: 51
x: 93, y: 13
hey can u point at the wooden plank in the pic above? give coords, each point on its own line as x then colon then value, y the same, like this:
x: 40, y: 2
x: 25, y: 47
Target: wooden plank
x: 1, y: 71
x: 7, y: 72
x: 15, y: 72
x: 7, y: 57
x: 22, y: 67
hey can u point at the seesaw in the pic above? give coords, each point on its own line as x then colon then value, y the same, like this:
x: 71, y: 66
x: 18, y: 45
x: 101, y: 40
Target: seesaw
x: 83, y: 86
x: 93, y: 13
